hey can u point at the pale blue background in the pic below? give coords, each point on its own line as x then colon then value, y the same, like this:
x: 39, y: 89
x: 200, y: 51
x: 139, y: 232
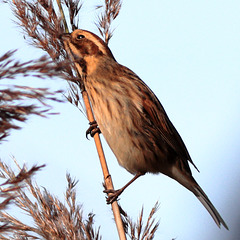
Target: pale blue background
x: 188, y: 52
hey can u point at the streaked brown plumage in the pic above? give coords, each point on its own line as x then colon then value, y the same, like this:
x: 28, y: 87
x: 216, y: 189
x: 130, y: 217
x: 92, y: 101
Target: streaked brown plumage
x: 131, y: 118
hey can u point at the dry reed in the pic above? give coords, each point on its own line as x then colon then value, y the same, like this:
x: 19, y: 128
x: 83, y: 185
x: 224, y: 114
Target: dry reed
x: 50, y: 217
x: 13, y: 97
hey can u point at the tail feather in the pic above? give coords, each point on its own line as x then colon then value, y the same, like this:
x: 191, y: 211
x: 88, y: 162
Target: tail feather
x: 202, y: 197
x: 186, y: 179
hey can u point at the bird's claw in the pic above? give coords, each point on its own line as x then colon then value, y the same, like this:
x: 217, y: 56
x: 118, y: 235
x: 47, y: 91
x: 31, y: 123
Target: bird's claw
x: 93, y: 129
x: 112, y: 195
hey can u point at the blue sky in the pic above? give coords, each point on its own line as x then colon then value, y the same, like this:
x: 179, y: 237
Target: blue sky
x: 188, y: 52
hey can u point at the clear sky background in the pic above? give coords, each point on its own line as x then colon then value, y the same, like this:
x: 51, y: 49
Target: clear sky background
x: 188, y: 52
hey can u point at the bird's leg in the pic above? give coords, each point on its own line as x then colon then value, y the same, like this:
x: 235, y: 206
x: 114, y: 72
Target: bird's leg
x: 93, y: 129
x: 113, y: 194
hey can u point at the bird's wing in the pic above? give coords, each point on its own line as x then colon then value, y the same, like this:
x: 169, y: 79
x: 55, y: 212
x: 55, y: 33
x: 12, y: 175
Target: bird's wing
x: 156, y: 114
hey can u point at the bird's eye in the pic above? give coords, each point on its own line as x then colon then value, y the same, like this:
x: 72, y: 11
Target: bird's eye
x: 80, y: 36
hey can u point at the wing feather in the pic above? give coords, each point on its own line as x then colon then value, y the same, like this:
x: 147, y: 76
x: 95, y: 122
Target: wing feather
x: 157, y: 115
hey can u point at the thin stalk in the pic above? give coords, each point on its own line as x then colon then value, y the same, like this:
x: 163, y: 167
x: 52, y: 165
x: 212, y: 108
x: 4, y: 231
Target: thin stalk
x: 63, y: 16
x: 106, y: 174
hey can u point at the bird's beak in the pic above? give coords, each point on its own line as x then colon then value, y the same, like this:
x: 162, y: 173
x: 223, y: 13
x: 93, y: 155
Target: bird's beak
x: 65, y: 36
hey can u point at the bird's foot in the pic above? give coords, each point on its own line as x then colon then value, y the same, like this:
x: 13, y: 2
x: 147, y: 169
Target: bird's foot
x: 112, y: 195
x: 93, y: 129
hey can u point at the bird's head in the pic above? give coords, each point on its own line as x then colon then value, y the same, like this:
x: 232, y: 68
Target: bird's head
x: 86, y: 47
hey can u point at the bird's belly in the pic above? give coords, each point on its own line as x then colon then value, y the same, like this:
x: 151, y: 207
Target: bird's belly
x: 130, y: 146
x: 127, y: 133
x: 128, y: 155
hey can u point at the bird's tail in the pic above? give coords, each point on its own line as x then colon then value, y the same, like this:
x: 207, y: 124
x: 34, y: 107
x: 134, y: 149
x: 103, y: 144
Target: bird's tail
x: 189, y: 182
x: 203, y: 198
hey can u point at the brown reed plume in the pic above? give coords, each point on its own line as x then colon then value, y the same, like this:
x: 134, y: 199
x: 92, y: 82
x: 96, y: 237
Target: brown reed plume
x: 52, y: 218
x: 42, y: 26
x: 111, y: 10
x: 13, y: 97
x: 137, y: 230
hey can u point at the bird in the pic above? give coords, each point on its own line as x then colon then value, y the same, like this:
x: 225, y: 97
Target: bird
x: 131, y: 118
